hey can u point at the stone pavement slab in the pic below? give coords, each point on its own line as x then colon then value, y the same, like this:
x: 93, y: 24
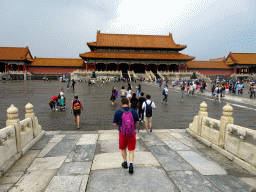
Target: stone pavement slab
x: 229, y: 183
x: 114, y: 160
x: 74, y: 168
x: 87, y: 139
x: 201, y: 164
x: 250, y: 181
x: 191, y: 181
x: 34, y: 181
x: 68, y: 184
x: 22, y: 164
x: 10, y: 177
x: 5, y: 188
x: 177, y: 145
x: 63, y: 148
x: 47, y: 163
x: 42, y: 142
x: 49, y: 146
x: 143, y: 179
x: 164, y: 136
x: 57, y: 138
x: 81, y: 153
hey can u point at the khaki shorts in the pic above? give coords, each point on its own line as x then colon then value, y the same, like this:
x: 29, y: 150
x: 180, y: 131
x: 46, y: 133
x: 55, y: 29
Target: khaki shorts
x: 146, y: 119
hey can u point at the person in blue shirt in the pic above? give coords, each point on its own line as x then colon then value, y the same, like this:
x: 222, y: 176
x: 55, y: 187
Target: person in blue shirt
x: 126, y: 141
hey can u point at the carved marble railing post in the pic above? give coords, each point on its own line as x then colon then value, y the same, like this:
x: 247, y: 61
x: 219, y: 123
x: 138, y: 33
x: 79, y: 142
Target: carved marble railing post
x: 202, y: 113
x: 30, y: 114
x: 224, y: 120
x: 12, y: 114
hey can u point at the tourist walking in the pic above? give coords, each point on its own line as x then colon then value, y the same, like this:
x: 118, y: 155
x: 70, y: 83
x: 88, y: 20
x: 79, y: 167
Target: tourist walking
x: 123, y: 91
x: 142, y: 99
x: 76, y: 107
x: 134, y: 102
x: 129, y: 93
x: 129, y: 86
x: 126, y: 118
x: 182, y: 89
x: 148, y: 107
x: 138, y: 90
x: 73, y: 84
x: 113, y: 95
x: 165, y: 93
x: 217, y: 92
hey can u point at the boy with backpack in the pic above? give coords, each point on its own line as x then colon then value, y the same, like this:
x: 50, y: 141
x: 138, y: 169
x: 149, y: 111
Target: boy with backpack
x: 142, y: 99
x: 148, y: 107
x: 126, y: 118
x: 76, y: 106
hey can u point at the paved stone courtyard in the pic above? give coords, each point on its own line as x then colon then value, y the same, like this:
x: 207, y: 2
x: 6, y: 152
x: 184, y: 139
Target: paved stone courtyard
x: 165, y: 160
x: 98, y: 111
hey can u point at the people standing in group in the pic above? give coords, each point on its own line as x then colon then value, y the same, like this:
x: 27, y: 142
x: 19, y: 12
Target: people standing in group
x: 142, y: 99
x: 126, y: 118
x: 138, y: 90
x: 76, y: 107
x: 165, y: 93
x: 123, y: 91
x: 148, y: 107
x: 134, y: 102
x: 62, y: 99
x: 190, y: 89
x: 52, y: 102
x: 182, y: 89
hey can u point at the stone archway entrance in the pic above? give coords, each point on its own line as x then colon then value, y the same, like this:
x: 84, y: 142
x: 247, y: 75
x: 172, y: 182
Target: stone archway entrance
x: 151, y: 67
x: 124, y: 67
x: 112, y: 67
x: 173, y: 67
x: 101, y: 66
x: 138, y: 68
x: 162, y: 67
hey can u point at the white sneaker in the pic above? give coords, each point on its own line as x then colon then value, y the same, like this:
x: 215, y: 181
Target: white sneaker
x: 141, y: 121
x: 56, y: 109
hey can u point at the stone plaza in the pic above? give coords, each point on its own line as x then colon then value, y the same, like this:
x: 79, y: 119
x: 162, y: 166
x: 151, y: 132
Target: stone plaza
x: 88, y: 159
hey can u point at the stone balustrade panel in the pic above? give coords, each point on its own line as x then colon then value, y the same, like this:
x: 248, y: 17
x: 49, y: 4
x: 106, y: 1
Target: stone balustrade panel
x: 8, y: 147
x: 26, y: 133
x: 209, y: 131
x: 239, y: 146
x: 194, y: 125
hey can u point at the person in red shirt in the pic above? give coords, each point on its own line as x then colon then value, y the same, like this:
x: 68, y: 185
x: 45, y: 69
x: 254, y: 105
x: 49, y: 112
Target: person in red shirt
x: 227, y: 88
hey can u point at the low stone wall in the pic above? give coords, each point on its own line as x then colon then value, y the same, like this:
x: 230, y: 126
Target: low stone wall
x: 18, y: 136
x: 222, y: 135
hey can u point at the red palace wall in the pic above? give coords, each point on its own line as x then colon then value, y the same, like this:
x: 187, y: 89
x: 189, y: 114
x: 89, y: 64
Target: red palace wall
x: 52, y: 70
x: 213, y: 71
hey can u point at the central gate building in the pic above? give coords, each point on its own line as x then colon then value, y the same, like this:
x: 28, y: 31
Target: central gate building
x: 139, y: 53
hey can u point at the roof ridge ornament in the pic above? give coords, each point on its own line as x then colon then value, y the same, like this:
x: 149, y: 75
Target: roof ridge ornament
x: 98, y: 31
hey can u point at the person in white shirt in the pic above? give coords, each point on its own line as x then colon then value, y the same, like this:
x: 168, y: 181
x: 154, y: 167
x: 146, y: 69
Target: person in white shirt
x: 165, y: 91
x: 194, y: 88
x: 217, y: 92
x: 148, y: 107
x: 129, y: 94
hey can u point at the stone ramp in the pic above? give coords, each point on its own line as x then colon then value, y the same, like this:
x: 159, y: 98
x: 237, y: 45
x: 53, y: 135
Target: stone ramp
x: 165, y: 160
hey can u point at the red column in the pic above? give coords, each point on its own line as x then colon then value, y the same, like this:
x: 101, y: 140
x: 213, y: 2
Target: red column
x: 168, y: 68
x: 24, y: 67
x: 18, y: 67
x: 94, y: 66
x: 178, y: 68
x: 239, y: 70
x: 156, y: 67
x: 117, y: 67
x: 146, y: 68
x: 129, y: 66
x: 106, y: 66
x: 7, y: 67
x: 86, y: 65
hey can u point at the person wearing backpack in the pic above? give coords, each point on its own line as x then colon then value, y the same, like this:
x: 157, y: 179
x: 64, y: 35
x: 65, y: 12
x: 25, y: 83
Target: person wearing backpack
x: 126, y: 118
x: 142, y: 99
x: 217, y: 92
x: 148, y: 107
x: 76, y: 106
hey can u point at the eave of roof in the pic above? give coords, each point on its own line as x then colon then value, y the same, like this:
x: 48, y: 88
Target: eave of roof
x: 57, y: 62
x: 242, y: 58
x: 207, y: 65
x: 14, y: 54
x: 135, y: 55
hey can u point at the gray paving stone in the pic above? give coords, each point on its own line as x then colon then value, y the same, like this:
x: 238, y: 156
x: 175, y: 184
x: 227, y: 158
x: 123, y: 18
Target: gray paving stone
x: 143, y: 179
x: 191, y: 181
x: 57, y: 138
x: 174, y: 163
x: 68, y: 184
x: 81, y: 153
x: 34, y: 181
x: 10, y: 177
x: 24, y: 162
x: 47, y: 163
x: 63, y: 148
x: 229, y: 183
x: 177, y: 145
x: 5, y: 188
x: 78, y: 132
x: 162, y: 151
x: 74, y: 168
x: 72, y: 137
x: 201, y: 164
x: 46, y: 149
x: 86, y: 139
x: 250, y: 181
x: 147, y: 137
x: 42, y: 142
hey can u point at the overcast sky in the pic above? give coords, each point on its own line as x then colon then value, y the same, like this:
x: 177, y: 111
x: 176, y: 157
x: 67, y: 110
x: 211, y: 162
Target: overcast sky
x: 61, y: 28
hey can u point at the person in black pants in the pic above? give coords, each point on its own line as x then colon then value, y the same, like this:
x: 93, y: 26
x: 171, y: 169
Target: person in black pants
x: 142, y: 99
